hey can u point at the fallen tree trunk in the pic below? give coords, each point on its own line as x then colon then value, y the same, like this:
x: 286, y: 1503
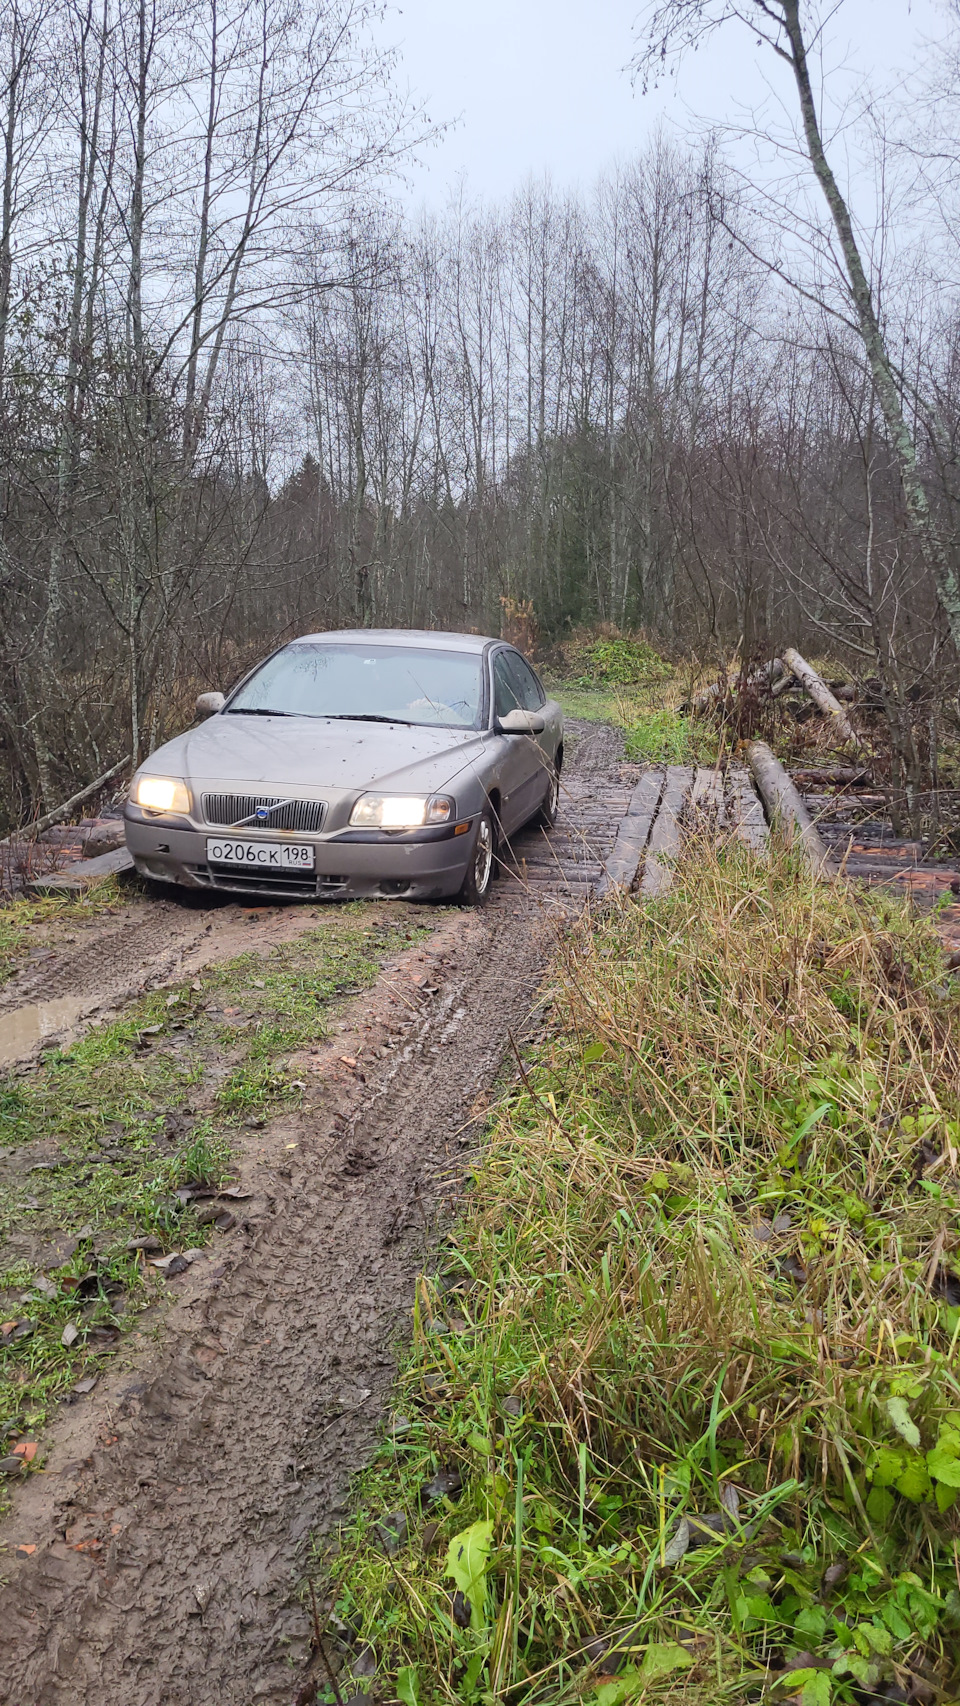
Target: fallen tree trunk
x: 785, y: 808
x: 838, y: 775
x: 703, y: 701
x: 53, y: 817
x: 820, y: 694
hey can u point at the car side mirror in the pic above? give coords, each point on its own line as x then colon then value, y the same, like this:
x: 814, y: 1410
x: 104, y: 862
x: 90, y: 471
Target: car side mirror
x: 519, y: 722
x: 208, y: 704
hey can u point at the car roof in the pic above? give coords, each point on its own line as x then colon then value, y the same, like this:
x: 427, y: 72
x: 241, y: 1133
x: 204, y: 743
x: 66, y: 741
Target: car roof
x: 424, y: 638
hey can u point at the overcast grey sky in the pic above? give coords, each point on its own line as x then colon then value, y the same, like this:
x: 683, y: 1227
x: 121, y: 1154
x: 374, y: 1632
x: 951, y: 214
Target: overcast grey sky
x: 539, y: 86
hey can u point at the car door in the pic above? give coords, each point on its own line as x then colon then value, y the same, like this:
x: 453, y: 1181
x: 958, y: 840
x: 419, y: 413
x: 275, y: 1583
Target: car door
x: 522, y: 761
x: 519, y: 756
x: 533, y: 698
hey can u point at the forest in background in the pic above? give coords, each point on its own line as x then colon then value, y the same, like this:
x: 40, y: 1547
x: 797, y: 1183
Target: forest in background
x: 244, y: 394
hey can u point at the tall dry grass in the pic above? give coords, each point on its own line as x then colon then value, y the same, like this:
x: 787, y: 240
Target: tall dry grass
x: 694, y: 1347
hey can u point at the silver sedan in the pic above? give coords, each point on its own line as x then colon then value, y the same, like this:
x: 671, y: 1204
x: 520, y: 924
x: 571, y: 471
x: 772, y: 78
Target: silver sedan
x: 368, y: 762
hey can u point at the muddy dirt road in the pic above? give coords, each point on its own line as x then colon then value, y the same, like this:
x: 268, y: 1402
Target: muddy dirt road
x: 171, y: 1527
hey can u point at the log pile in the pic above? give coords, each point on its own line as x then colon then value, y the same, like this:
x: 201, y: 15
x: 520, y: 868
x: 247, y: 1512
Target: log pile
x: 740, y: 701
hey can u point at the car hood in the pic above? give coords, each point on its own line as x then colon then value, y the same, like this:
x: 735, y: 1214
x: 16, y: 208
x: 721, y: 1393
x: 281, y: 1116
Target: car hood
x: 314, y: 753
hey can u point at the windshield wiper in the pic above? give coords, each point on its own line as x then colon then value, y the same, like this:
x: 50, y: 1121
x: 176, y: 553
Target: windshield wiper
x: 367, y: 717
x: 256, y: 711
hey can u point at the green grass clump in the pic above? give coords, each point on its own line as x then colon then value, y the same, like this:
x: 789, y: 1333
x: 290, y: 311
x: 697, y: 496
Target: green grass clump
x: 617, y: 660
x: 667, y: 736
x: 693, y: 1347
x: 192, y: 1060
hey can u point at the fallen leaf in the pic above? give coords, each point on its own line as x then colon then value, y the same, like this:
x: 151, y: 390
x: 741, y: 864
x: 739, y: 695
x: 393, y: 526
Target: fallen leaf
x: 172, y: 1264
x: 172, y: 1000
x: 29, y: 1550
x: 226, y: 1221
x: 446, y: 1484
x: 678, y: 1543
x: 70, y: 1334
x: 235, y: 1193
x: 10, y: 1465
x: 196, y: 984
x: 148, y: 1243
x: 364, y: 1663
x: 27, y: 1449
x: 730, y: 1499
x: 393, y: 1533
x: 347, y: 1060
x: 792, y: 1268
x: 86, y: 1385
x: 462, y: 1610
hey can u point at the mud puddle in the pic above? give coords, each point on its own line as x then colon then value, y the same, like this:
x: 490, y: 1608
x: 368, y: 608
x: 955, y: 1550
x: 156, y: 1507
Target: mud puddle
x: 26, y: 1029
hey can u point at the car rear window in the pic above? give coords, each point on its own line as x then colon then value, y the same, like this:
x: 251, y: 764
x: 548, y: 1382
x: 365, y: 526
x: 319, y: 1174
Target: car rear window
x: 391, y: 683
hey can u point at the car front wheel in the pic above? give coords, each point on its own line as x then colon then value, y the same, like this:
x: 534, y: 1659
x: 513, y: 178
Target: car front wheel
x: 476, y: 883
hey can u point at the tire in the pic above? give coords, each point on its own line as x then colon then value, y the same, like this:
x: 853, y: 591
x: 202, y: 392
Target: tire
x: 475, y: 889
x: 546, y: 814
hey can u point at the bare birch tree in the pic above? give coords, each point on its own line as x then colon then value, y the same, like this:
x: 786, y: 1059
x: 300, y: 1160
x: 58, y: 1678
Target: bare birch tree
x: 673, y: 25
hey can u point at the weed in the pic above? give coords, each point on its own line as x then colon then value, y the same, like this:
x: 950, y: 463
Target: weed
x: 692, y: 1350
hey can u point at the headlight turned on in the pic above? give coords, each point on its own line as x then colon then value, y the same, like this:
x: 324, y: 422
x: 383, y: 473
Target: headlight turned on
x: 400, y: 811
x: 161, y: 794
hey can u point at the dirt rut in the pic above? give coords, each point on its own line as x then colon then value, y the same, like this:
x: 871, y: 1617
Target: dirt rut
x: 172, y: 1526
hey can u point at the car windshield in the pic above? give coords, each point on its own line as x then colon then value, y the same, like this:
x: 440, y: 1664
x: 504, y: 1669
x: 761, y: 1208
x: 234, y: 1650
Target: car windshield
x: 386, y: 683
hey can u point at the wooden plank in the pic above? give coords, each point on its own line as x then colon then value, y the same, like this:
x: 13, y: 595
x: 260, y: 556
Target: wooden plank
x: 84, y: 873
x: 706, y: 796
x: 632, y: 834
x: 665, y: 835
x: 746, y: 810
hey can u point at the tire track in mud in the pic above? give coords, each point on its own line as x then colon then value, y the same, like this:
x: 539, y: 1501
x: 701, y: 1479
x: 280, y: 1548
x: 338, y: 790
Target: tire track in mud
x: 221, y: 1453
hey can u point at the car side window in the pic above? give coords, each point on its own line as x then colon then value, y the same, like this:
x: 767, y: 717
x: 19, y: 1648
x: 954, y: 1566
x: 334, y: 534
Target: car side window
x: 505, y: 694
x: 525, y: 682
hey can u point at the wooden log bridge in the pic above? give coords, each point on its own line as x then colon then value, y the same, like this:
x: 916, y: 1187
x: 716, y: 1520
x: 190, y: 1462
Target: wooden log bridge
x: 666, y: 801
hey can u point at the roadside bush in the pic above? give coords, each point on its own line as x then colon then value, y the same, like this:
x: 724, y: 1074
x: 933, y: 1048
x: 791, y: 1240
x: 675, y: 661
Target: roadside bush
x: 692, y: 1353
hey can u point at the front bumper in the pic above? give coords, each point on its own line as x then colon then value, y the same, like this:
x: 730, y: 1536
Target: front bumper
x: 417, y: 866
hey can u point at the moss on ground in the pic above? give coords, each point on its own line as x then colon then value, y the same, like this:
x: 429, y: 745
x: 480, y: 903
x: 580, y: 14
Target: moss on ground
x: 688, y: 1375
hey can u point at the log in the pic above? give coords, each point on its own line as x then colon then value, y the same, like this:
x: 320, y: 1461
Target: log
x: 785, y: 809
x: 703, y: 701
x: 53, y: 817
x: 820, y: 694
x: 746, y: 812
x: 784, y: 683
x: 665, y: 835
x: 837, y: 776
x: 632, y: 835
x: 706, y: 796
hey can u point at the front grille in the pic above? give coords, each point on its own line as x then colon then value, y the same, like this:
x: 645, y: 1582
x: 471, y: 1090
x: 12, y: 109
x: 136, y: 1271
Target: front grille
x: 302, y: 816
x: 294, y: 884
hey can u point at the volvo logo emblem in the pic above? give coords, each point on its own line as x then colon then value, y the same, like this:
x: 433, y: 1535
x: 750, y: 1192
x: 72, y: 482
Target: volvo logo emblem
x: 263, y: 812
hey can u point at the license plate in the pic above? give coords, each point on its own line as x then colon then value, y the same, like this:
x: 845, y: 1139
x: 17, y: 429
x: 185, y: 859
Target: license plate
x: 265, y: 855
